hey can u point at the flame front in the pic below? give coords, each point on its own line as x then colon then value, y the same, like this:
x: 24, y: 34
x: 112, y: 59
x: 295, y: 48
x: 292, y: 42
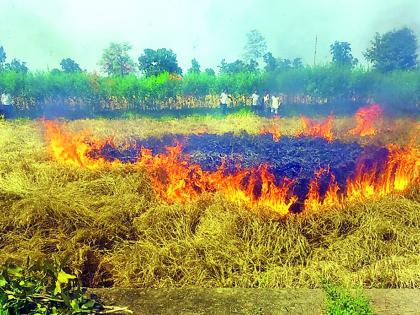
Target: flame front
x: 314, y: 128
x: 366, y: 117
x: 175, y: 179
x: 273, y: 130
x: 314, y: 202
x: 400, y: 170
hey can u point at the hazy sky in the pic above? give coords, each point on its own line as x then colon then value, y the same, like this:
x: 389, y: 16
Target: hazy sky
x: 42, y: 32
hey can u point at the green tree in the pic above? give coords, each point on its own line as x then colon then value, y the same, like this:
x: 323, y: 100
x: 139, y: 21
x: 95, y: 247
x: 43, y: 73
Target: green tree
x: 394, y: 50
x: 278, y: 64
x: 297, y: 63
x: 341, y: 54
x: 256, y: 46
x: 2, y: 57
x: 284, y: 64
x: 195, y: 66
x: 154, y: 62
x: 237, y: 66
x: 210, y: 71
x: 116, y: 60
x: 17, y: 66
x: 271, y: 62
x: 69, y: 65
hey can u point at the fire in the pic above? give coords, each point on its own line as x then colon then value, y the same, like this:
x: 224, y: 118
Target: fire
x: 314, y: 128
x: 313, y: 201
x: 176, y: 180
x: 71, y: 148
x: 274, y: 130
x: 366, y: 118
x: 400, y: 170
x: 173, y: 178
x: 256, y: 187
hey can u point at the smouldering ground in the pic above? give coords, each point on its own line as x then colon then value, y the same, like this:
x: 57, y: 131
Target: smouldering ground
x: 109, y: 225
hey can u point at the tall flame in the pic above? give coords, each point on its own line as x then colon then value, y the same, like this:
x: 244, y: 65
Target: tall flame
x: 313, y: 201
x: 366, y: 117
x: 176, y: 180
x: 314, y: 128
x: 400, y: 170
x: 72, y: 148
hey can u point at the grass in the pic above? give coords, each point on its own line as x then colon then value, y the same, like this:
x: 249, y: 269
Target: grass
x: 108, y: 226
x: 341, y: 301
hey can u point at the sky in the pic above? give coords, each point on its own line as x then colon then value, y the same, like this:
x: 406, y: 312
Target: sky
x: 43, y: 32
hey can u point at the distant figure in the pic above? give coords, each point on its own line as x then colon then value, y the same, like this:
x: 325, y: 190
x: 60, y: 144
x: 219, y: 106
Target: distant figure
x: 266, y: 106
x: 275, y: 103
x: 6, y: 107
x: 260, y: 107
x: 255, y: 97
x: 6, y: 99
x: 223, y: 101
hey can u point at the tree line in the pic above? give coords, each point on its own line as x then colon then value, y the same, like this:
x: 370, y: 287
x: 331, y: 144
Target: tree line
x: 157, y: 81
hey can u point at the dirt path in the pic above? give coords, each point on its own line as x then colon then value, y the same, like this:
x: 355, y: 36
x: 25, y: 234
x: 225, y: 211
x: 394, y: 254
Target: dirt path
x: 248, y: 301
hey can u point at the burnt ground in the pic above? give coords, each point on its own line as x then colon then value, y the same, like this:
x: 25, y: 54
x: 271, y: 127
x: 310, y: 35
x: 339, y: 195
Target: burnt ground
x: 297, y: 158
x: 249, y: 301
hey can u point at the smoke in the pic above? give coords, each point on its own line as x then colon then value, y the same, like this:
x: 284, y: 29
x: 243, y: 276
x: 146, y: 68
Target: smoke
x: 44, y: 32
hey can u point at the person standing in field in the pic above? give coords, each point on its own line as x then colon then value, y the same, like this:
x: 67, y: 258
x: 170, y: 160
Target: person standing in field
x: 275, y: 103
x: 255, y: 97
x: 6, y: 107
x: 223, y: 101
x: 266, y: 103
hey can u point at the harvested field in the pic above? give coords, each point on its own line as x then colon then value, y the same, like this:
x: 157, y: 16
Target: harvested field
x: 109, y: 225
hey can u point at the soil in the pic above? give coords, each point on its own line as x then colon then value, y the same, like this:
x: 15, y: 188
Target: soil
x: 249, y: 301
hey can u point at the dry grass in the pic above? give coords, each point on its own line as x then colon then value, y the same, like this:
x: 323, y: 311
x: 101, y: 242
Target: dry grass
x: 108, y: 224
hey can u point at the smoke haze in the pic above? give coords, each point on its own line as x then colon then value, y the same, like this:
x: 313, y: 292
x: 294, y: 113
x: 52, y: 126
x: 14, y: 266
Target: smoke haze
x: 44, y: 32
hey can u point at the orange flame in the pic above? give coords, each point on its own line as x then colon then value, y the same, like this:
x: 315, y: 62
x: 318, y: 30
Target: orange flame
x: 175, y: 179
x: 313, y: 200
x: 365, y: 120
x: 314, y: 128
x: 400, y: 170
x: 72, y: 148
x: 274, y: 130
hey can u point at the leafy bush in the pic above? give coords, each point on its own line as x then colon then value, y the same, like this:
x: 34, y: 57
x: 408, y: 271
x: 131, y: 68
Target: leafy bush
x: 44, y: 289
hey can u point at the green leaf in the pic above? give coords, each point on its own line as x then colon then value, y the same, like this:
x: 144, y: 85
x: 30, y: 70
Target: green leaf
x: 3, y: 281
x: 15, y: 271
x: 64, y: 277
x: 75, y: 305
x: 57, y: 288
x: 89, y: 304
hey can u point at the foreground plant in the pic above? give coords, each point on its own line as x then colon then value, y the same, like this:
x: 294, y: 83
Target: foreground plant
x: 340, y: 301
x: 45, y: 288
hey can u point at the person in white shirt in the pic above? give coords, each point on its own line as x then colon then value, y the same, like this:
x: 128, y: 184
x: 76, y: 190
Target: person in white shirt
x: 255, y: 97
x: 6, y: 107
x: 275, y: 103
x: 6, y: 99
x: 223, y: 101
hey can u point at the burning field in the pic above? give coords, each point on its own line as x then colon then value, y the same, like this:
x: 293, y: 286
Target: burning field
x: 244, y: 201
x: 285, y: 174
